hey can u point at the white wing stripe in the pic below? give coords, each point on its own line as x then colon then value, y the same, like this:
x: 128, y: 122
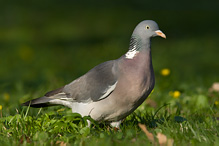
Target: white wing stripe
x: 108, y: 91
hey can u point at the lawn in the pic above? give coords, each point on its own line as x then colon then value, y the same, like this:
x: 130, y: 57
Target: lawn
x: 44, y: 46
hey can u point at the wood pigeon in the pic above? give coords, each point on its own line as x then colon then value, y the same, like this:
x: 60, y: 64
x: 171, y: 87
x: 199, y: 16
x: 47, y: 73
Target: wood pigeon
x: 114, y: 89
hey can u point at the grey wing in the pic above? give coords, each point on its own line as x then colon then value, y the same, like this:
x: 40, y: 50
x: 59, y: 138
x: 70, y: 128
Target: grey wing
x: 95, y: 85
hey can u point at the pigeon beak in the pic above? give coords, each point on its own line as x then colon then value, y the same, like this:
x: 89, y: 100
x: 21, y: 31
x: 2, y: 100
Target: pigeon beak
x: 160, y: 33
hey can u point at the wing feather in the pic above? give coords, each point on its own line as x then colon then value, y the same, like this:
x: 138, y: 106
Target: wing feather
x: 95, y: 85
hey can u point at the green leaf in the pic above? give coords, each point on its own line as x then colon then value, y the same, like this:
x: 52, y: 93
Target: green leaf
x: 84, y: 131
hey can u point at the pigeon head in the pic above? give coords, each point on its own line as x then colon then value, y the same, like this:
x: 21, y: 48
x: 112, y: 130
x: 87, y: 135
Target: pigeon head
x: 141, y: 35
x: 147, y: 29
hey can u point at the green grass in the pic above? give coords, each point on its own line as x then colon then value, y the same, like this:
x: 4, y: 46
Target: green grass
x: 59, y: 124
x: 59, y: 45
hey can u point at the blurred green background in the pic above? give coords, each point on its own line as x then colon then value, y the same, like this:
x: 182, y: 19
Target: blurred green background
x: 46, y: 44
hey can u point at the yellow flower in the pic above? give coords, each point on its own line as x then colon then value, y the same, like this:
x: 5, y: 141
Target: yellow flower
x: 165, y: 72
x: 6, y: 96
x: 175, y: 94
x: 0, y: 107
x: 216, y: 102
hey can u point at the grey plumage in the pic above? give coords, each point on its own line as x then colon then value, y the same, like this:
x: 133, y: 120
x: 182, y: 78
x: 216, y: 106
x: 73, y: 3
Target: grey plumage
x: 92, y: 86
x: 114, y: 89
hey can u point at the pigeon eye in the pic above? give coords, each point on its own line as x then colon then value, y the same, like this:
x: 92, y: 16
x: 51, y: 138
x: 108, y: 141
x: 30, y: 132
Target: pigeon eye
x: 147, y: 27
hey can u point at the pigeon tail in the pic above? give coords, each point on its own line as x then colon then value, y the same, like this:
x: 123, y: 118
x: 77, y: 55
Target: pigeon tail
x: 37, y: 103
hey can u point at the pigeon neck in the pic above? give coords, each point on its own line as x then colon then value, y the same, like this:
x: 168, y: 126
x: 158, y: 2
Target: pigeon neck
x: 136, y: 45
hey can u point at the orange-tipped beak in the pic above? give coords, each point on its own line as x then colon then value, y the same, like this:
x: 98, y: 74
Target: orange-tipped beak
x: 160, y: 33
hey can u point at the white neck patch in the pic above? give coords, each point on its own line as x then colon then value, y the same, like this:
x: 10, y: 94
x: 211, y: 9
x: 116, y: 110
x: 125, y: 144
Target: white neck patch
x: 131, y: 54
